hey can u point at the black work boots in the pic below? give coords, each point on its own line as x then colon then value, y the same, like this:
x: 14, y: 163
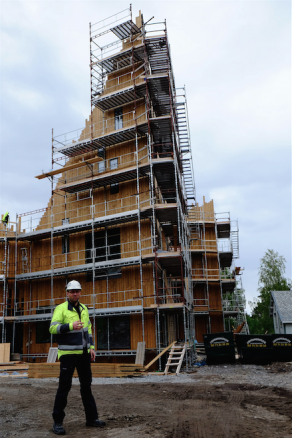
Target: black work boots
x: 95, y: 423
x: 58, y: 429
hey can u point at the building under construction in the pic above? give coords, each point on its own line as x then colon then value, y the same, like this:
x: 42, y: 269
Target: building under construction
x: 122, y: 218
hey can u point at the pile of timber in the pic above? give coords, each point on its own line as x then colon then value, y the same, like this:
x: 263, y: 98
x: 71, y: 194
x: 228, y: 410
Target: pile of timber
x: 13, y: 369
x: 45, y: 370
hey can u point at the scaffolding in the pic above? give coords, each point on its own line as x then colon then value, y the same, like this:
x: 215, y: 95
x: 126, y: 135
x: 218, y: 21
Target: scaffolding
x: 130, y: 166
x: 214, y: 238
x: 133, y: 88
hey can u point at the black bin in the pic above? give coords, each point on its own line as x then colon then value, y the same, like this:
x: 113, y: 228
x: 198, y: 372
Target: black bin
x: 254, y: 349
x: 282, y: 348
x: 219, y: 347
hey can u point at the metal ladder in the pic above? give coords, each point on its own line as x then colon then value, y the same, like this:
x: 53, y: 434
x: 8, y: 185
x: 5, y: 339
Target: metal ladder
x: 175, y: 358
x: 185, y: 145
x: 235, y: 240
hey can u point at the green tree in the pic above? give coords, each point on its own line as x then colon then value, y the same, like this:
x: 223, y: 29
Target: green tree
x: 271, y: 277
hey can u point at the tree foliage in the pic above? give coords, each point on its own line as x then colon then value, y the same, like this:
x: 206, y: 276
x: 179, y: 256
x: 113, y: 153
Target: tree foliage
x: 271, y: 277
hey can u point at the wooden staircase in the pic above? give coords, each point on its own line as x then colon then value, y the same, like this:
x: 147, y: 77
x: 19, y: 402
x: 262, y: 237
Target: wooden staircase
x: 175, y: 358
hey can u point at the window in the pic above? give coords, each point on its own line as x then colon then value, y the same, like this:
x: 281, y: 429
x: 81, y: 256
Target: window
x: 44, y: 309
x: 118, y: 118
x: 114, y: 244
x: 113, y: 163
x: 42, y: 332
x: 65, y: 244
x: 65, y: 221
x: 101, y: 152
x: 113, y: 333
x: 114, y: 188
x: 101, y: 166
x: 103, y: 274
x: 107, y: 245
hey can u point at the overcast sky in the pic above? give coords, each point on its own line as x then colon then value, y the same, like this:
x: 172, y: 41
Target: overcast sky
x: 234, y: 57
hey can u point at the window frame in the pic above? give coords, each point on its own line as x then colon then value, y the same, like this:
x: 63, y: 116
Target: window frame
x: 118, y: 115
x: 115, y: 166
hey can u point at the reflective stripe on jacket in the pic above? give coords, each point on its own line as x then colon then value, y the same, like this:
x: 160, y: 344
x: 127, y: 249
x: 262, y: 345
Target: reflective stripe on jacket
x: 71, y: 341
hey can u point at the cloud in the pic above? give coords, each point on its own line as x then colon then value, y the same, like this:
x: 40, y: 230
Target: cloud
x: 234, y: 58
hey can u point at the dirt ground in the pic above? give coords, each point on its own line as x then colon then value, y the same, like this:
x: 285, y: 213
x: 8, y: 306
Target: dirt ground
x: 198, y: 409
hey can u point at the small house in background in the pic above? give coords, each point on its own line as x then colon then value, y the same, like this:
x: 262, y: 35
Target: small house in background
x: 281, y: 311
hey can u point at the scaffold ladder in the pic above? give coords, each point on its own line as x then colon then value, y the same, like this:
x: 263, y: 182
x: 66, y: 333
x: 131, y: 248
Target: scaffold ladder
x: 185, y: 147
x: 175, y: 358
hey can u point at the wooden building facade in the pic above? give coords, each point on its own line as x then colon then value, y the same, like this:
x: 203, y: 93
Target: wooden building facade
x: 122, y: 218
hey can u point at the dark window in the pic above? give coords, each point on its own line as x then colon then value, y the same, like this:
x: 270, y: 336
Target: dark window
x: 114, y: 188
x: 100, y: 248
x: 102, y: 251
x: 118, y: 118
x: 114, y: 243
x: 65, y: 244
x: 101, y: 274
x: 113, y: 332
x: 101, y: 153
x: 44, y: 309
x: 42, y: 332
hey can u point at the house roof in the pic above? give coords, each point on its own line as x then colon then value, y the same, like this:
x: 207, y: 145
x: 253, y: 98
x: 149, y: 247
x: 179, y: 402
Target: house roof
x: 283, y: 303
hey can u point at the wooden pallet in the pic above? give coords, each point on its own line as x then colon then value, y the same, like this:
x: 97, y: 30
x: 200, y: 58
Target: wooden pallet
x: 45, y: 370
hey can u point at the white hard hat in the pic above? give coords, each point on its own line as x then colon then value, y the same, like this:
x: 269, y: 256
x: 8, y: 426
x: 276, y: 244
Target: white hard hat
x: 73, y: 285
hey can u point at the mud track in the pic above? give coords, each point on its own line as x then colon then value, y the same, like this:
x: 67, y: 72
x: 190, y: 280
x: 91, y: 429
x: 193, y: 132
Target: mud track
x: 151, y: 409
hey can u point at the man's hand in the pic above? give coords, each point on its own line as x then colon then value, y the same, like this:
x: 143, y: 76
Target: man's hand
x: 92, y: 354
x: 78, y: 325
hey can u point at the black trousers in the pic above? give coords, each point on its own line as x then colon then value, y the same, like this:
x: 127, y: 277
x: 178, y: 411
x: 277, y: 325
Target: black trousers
x: 68, y: 363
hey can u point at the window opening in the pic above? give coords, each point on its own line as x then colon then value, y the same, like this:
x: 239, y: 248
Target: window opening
x: 101, y: 166
x: 102, y: 253
x: 114, y: 188
x: 42, y: 332
x: 113, y: 163
x: 114, y: 243
x: 65, y: 221
x: 65, y: 244
x: 118, y: 118
x: 117, y: 331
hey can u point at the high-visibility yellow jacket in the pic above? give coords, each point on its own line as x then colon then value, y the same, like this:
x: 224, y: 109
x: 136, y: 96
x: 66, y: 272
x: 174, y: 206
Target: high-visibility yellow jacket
x: 71, y: 341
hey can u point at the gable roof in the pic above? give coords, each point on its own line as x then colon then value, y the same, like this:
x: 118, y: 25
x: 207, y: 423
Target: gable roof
x: 283, y: 303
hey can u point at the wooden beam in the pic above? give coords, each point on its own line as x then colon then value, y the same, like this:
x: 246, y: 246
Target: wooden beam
x: 70, y: 167
x: 159, y: 355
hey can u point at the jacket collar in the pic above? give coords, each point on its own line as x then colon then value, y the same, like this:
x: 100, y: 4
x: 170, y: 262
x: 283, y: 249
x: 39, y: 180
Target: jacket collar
x: 71, y: 307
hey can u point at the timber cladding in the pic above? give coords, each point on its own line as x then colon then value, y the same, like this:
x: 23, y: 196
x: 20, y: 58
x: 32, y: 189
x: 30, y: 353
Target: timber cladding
x: 116, y: 292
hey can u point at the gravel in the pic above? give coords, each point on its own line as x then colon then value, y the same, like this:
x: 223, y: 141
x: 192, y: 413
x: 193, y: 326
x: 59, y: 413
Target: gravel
x: 276, y: 375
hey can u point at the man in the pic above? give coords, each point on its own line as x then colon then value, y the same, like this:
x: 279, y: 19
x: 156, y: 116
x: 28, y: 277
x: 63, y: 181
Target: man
x: 72, y: 327
x: 5, y: 219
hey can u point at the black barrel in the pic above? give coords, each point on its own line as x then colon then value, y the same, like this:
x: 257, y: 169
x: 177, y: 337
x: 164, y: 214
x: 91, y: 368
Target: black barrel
x: 282, y: 348
x: 254, y: 349
x: 219, y: 347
